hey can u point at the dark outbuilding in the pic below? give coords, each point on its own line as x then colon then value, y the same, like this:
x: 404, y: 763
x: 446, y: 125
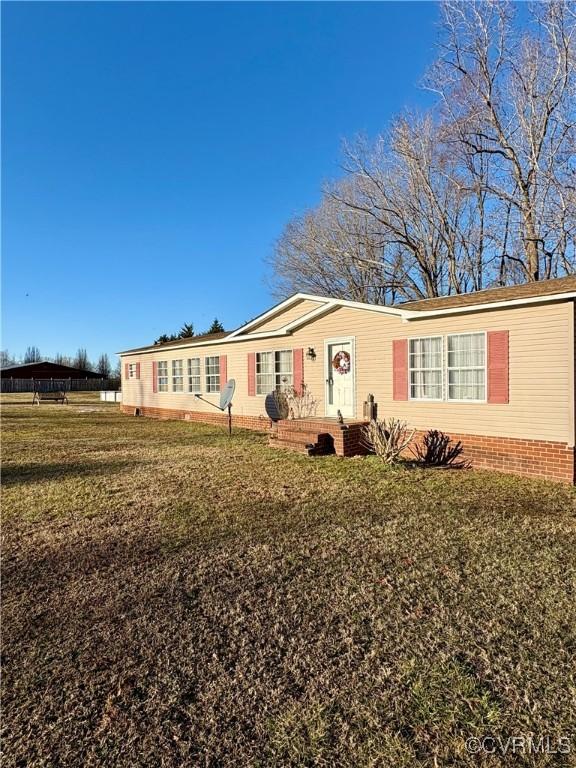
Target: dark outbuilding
x: 43, y: 369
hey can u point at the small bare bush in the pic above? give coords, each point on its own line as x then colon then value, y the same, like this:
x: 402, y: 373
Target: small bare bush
x: 387, y: 438
x: 301, y: 403
x: 436, y: 450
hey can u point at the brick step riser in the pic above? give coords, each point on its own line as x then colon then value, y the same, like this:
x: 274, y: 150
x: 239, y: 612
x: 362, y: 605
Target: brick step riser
x: 310, y: 448
x: 321, y: 444
x: 297, y: 426
x: 310, y: 437
x: 294, y: 448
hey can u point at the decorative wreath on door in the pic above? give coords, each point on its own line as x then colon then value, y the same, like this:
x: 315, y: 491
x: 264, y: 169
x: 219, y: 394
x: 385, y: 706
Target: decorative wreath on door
x: 341, y: 362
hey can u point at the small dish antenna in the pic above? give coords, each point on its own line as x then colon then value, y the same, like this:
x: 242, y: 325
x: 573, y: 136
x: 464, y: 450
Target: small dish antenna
x: 225, y: 401
x: 227, y: 394
x: 276, y: 406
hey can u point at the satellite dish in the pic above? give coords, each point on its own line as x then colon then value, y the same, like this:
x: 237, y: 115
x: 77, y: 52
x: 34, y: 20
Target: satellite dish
x: 276, y: 406
x: 227, y: 394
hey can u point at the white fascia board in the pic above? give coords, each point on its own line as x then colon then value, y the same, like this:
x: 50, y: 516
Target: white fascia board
x: 284, y: 331
x: 215, y: 343
x: 416, y: 314
x: 380, y: 308
x: 328, y: 304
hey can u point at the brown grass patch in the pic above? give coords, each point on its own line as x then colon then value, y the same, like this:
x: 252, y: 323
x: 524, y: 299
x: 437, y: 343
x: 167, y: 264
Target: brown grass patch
x: 173, y: 597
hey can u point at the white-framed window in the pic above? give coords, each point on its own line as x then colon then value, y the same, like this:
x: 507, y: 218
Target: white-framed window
x: 132, y: 371
x: 177, y: 376
x: 213, y: 374
x: 162, y: 376
x: 273, y: 371
x: 194, y: 376
x: 426, y: 368
x: 466, y: 366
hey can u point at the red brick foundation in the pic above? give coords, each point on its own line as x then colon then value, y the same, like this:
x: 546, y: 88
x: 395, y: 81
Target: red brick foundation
x: 533, y: 458
x: 257, y: 423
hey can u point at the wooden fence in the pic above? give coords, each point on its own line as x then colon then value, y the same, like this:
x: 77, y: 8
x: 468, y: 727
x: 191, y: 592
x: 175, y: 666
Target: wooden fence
x: 52, y: 385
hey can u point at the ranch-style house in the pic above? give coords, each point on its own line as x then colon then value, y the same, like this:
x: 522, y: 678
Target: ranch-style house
x: 494, y: 369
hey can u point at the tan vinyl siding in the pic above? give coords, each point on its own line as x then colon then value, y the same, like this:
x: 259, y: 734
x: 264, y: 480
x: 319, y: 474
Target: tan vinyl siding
x: 287, y: 316
x: 541, y: 370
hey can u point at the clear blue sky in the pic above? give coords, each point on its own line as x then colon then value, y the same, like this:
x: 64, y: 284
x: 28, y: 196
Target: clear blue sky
x: 152, y: 152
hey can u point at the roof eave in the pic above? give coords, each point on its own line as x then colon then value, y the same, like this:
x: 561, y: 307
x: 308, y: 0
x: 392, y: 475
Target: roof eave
x: 421, y: 314
x: 328, y: 304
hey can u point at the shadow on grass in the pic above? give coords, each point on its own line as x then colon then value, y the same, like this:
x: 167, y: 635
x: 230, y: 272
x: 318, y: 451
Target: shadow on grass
x: 144, y: 548
x: 20, y: 474
x: 323, y: 647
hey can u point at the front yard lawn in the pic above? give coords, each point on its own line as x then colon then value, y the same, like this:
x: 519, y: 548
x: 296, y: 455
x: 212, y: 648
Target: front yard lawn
x: 175, y: 597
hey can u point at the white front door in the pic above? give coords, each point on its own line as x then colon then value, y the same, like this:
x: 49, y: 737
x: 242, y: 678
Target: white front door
x: 340, y: 369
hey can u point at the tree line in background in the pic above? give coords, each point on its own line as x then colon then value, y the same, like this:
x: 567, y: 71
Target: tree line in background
x: 479, y: 191
x: 80, y: 360
x: 187, y: 331
x: 103, y: 364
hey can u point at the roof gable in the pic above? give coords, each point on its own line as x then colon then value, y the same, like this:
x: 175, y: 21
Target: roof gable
x: 302, y: 308
x: 281, y: 315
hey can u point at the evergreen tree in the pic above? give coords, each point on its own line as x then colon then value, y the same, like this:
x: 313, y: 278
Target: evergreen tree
x: 187, y: 331
x: 216, y: 327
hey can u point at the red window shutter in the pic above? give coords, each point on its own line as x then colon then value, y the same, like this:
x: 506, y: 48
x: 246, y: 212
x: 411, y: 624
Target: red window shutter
x: 400, y: 369
x: 154, y: 376
x: 137, y: 370
x: 498, y: 365
x: 251, y: 373
x: 298, y: 370
x: 223, y: 370
x: 126, y: 370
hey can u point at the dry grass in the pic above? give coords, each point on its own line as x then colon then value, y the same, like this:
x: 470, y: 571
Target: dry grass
x: 172, y: 598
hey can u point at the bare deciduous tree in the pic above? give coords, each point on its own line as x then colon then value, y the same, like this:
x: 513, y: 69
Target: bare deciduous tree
x: 6, y: 359
x: 81, y: 360
x: 509, y: 96
x: 480, y: 191
x: 429, y: 209
x: 409, y: 221
x: 332, y: 250
x: 103, y: 366
x: 32, y: 355
x: 63, y: 359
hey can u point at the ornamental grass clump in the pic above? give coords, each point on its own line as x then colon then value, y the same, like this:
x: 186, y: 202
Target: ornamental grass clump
x: 387, y: 438
x: 436, y: 450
